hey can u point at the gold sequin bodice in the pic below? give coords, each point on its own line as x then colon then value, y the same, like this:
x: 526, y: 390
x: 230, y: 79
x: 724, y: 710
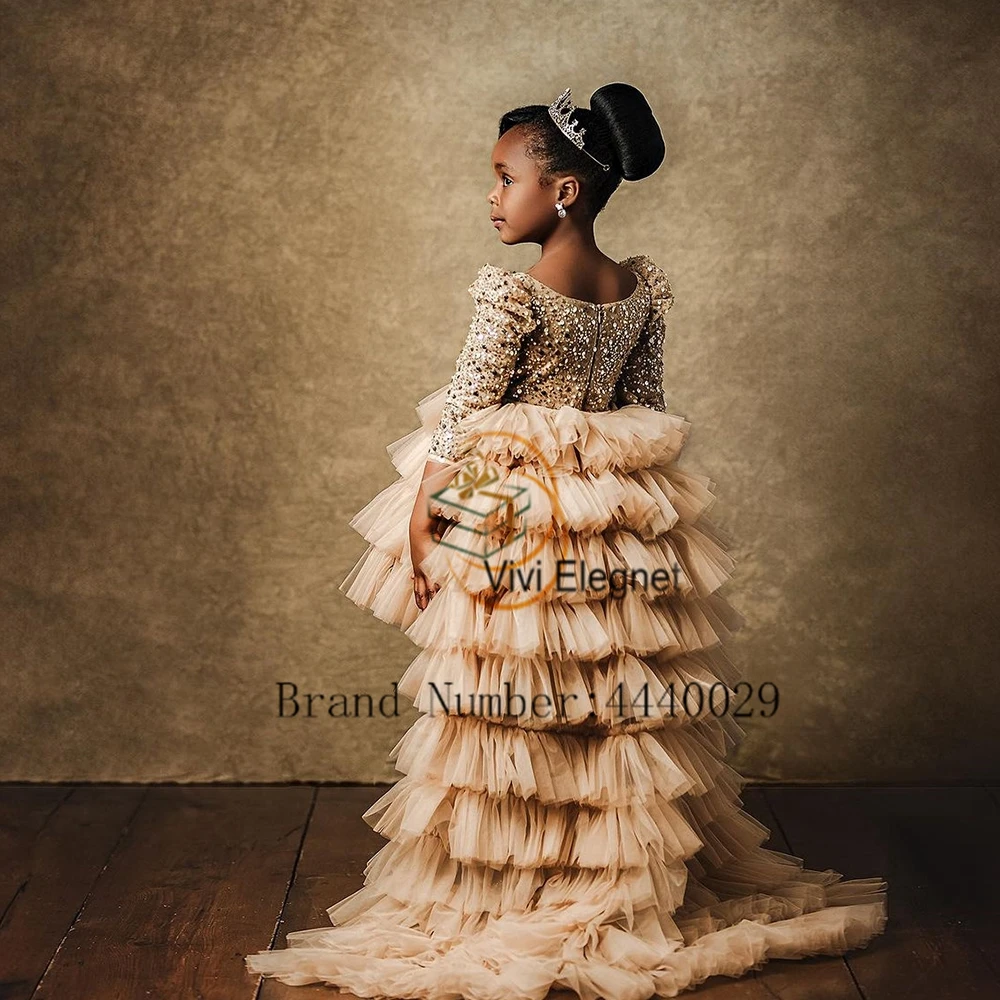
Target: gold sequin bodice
x: 529, y: 343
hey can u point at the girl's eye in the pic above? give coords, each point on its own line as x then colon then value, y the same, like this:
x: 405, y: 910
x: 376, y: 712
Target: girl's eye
x: 506, y: 178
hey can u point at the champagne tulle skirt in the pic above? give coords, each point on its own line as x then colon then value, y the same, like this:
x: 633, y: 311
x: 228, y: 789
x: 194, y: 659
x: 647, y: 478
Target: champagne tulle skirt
x: 587, y: 835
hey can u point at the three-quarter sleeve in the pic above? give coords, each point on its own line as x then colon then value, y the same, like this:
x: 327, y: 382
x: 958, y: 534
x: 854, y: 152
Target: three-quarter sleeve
x: 641, y: 378
x: 483, y: 371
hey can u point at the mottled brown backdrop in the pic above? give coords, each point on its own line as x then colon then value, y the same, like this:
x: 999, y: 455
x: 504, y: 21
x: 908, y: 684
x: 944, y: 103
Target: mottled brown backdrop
x: 237, y: 242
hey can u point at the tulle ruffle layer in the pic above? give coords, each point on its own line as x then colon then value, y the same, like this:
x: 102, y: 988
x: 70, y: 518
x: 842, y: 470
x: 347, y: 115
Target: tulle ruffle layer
x: 632, y: 481
x: 577, y: 622
x: 684, y: 560
x: 620, y: 690
x: 589, y: 630
x: 557, y: 439
x: 560, y: 767
x: 646, y: 501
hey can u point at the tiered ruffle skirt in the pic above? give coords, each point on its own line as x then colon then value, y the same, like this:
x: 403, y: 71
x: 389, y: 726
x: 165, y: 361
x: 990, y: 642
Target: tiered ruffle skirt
x: 565, y: 818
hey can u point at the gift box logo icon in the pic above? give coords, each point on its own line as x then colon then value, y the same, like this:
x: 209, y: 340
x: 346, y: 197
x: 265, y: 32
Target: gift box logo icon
x: 490, y: 511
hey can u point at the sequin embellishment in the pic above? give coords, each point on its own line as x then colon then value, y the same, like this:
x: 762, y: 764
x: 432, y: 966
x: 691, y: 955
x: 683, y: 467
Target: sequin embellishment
x: 529, y: 343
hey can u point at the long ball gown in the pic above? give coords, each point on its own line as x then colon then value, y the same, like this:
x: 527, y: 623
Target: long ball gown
x: 588, y: 835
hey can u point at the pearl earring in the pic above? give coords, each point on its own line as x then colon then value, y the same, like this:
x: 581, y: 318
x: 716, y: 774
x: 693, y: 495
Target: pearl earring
x: 560, y: 211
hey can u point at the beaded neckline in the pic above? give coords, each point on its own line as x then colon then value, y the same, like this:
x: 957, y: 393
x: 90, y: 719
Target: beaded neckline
x: 587, y: 302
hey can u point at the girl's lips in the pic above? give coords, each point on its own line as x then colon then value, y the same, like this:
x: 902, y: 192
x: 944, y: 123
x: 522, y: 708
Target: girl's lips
x: 497, y: 223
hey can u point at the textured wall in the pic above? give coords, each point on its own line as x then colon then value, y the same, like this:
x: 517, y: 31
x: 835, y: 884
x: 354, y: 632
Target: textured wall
x: 237, y: 239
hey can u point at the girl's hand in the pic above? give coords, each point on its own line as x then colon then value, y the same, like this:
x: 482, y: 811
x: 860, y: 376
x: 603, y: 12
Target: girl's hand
x: 426, y: 528
x: 422, y: 541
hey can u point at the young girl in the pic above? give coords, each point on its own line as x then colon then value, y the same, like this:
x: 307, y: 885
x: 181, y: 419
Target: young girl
x: 566, y: 818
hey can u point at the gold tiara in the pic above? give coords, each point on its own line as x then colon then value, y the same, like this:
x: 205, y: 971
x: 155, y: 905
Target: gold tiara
x: 560, y: 111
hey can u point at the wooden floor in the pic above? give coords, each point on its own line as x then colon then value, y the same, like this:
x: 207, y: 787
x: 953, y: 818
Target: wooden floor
x: 133, y: 892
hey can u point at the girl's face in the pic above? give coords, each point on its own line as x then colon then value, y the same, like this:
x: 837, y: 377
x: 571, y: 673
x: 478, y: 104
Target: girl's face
x: 527, y: 210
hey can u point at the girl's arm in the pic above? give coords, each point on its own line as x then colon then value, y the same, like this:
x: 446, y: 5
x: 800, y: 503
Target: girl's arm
x: 641, y: 378
x: 482, y: 374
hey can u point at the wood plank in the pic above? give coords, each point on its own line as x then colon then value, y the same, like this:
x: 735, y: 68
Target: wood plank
x: 936, y: 847
x: 195, y: 884
x: 54, y: 842
x: 335, y: 851
x: 982, y: 923
x: 24, y: 812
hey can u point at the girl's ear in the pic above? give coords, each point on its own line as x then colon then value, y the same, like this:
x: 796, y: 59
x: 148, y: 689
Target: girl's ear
x: 569, y: 190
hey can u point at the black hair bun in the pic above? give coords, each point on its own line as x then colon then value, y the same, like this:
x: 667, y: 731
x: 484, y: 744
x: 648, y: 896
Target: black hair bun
x: 632, y: 128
